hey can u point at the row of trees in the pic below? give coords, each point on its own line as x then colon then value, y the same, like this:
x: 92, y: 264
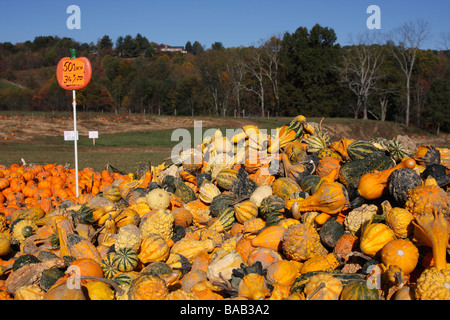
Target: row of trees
x: 304, y: 72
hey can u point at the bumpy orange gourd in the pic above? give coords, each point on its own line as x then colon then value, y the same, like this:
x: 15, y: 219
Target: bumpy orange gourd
x: 323, y: 286
x: 372, y: 185
x: 283, y: 272
x: 253, y: 287
x: 428, y: 198
x: 301, y: 242
x: 148, y: 287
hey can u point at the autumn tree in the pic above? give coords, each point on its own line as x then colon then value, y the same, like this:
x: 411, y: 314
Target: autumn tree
x: 118, y: 77
x: 212, y: 66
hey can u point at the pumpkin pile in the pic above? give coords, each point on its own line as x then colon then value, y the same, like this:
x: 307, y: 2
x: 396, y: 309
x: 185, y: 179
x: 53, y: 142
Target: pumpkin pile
x: 290, y: 216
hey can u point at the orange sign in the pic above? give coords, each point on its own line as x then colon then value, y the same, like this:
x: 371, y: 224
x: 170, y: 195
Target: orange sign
x: 74, y: 74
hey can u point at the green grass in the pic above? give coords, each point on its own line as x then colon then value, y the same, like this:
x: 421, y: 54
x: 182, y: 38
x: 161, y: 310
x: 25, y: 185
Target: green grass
x: 5, y: 85
x: 123, y: 151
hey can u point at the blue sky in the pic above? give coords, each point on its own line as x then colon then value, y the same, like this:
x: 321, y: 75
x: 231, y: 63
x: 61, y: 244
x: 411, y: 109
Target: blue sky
x: 232, y: 22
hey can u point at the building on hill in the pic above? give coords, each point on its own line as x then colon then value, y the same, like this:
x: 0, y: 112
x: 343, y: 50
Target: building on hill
x: 167, y: 48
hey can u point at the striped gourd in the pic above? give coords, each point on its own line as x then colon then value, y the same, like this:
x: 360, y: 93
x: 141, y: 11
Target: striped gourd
x: 271, y: 204
x: 225, y: 178
x: 360, y: 149
x: 125, y: 279
x: 317, y: 141
x: 245, y: 210
x: 445, y: 156
x: 292, y: 131
x: 219, y: 203
x: 126, y: 259
x: 358, y: 290
x: 381, y: 143
x: 225, y: 220
x: 108, y: 266
x: 398, y: 151
x: 272, y: 209
x: 208, y: 191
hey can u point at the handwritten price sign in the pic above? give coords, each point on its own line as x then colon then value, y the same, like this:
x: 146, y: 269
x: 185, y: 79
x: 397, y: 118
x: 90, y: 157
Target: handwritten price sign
x: 74, y: 74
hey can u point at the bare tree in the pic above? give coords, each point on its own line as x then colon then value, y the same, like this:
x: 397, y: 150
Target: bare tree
x: 254, y: 67
x: 407, y: 40
x: 384, y: 95
x: 236, y: 72
x: 359, y: 70
x: 445, y: 40
x: 271, y: 50
x: 262, y: 65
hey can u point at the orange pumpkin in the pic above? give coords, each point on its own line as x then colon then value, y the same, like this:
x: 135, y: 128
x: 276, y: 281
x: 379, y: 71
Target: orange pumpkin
x: 87, y: 267
x: 402, y: 253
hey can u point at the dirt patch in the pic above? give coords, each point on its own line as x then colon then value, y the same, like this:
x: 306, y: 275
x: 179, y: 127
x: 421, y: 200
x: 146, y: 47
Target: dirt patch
x: 23, y: 129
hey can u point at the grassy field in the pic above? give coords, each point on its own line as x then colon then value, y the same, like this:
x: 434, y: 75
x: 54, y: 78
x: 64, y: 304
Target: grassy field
x: 125, y: 143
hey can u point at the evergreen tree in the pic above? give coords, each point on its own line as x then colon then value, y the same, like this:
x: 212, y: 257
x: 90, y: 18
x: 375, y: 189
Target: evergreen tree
x: 105, y: 46
x: 188, y: 47
x: 217, y: 46
x: 197, y: 48
x: 438, y: 106
x: 309, y: 83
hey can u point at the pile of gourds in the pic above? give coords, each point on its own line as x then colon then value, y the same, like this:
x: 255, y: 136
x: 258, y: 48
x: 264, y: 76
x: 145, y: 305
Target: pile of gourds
x: 255, y: 216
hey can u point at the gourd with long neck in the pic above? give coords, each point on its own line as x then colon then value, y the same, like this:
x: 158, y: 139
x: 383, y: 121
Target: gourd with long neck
x: 331, y: 197
x: 372, y: 185
x: 431, y: 223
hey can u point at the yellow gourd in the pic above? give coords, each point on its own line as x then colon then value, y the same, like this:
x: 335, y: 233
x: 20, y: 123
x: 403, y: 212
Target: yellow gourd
x: 98, y: 290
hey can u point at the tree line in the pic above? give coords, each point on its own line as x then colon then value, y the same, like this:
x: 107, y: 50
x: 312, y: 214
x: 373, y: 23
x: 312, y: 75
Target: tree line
x: 303, y: 72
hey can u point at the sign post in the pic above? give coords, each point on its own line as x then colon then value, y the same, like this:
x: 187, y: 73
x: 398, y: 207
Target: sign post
x: 74, y: 74
x: 93, y: 135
